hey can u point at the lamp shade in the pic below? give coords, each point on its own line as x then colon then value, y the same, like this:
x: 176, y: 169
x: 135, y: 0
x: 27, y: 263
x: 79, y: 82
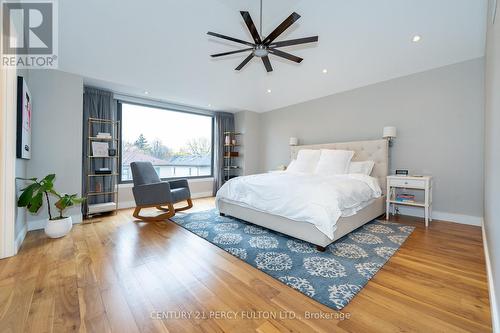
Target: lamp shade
x: 294, y: 141
x: 389, y: 132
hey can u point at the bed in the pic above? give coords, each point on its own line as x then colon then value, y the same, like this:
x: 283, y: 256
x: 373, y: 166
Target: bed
x: 375, y: 150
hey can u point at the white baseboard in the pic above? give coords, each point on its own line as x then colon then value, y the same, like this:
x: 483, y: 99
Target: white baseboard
x: 40, y: 224
x: 201, y: 195
x: 443, y: 216
x: 495, y: 320
x: 20, y: 237
x: 131, y: 204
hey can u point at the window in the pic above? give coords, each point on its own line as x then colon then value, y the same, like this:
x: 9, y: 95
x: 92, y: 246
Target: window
x: 178, y: 144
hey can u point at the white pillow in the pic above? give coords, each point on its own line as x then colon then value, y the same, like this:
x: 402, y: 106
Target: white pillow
x: 334, y: 162
x: 364, y: 167
x: 306, y: 161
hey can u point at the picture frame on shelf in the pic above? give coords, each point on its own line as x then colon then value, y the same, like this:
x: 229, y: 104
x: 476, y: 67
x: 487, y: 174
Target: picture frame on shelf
x: 100, y: 149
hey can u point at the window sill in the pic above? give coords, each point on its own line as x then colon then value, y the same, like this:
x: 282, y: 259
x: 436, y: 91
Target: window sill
x: 193, y: 180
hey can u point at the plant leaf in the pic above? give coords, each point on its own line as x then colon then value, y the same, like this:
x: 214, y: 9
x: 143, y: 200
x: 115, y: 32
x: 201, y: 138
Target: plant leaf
x: 27, y: 195
x: 49, y: 178
x: 36, y: 203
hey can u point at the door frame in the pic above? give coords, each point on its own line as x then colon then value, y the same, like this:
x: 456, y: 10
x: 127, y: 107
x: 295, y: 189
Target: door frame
x: 8, y: 112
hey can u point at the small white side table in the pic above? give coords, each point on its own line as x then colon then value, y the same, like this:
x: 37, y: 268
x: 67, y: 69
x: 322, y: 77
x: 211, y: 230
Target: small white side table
x: 416, y: 183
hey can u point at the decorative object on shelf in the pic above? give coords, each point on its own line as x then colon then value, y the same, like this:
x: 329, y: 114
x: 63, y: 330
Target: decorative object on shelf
x: 98, y: 187
x: 111, y: 152
x: 233, y: 142
x: 32, y: 198
x: 100, y: 149
x: 227, y: 140
x: 294, y: 141
x: 24, y: 117
x: 401, y: 172
x: 103, y: 171
x: 406, y: 183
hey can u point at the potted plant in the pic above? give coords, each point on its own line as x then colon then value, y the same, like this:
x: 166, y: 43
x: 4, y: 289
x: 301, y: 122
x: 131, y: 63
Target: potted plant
x: 32, y: 198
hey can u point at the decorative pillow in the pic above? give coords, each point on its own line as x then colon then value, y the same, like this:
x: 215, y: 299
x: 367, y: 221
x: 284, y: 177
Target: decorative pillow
x: 364, y: 167
x: 290, y: 166
x: 306, y: 161
x: 334, y: 162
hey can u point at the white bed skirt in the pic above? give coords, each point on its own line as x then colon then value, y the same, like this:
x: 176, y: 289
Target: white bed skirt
x: 304, y: 230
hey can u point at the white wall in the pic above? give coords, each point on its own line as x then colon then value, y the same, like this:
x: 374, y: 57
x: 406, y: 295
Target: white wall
x: 56, y: 135
x: 248, y: 123
x: 439, y: 116
x: 492, y: 161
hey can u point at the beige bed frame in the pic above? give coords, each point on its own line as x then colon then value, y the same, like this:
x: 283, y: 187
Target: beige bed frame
x: 374, y: 150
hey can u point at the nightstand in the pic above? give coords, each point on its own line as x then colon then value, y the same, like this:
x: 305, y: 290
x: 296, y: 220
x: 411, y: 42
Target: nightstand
x: 410, y: 182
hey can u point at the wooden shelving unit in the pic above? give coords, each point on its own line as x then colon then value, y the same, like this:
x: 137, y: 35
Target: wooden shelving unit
x: 108, y: 188
x: 231, y: 155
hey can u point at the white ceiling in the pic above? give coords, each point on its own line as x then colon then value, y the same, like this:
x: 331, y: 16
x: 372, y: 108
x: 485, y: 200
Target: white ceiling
x: 161, y: 46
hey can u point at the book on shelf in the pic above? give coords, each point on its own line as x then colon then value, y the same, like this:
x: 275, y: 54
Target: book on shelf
x: 405, y: 197
x: 104, y: 135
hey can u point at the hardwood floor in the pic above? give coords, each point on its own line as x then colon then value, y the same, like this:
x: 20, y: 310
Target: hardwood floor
x: 115, y: 275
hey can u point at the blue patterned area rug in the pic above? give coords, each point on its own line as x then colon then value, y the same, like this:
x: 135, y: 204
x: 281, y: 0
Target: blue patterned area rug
x: 332, y: 277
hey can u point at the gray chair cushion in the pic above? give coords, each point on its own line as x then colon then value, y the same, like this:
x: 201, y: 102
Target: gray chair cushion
x: 179, y: 194
x: 152, y: 194
x: 144, y: 173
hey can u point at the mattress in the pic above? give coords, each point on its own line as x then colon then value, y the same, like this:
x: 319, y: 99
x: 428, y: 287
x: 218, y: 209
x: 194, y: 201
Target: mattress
x: 314, y: 199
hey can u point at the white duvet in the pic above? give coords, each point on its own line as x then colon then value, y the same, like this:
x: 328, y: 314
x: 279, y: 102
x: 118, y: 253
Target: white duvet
x: 309, y: 198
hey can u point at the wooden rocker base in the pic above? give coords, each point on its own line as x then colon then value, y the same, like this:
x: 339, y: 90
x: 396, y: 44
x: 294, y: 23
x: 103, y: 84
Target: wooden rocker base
x: 170, y: 212
x: 189, y: 205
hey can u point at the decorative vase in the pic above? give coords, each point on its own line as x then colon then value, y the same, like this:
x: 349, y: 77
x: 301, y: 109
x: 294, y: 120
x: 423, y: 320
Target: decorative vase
x: 58, y: 228
x: 227, y: 140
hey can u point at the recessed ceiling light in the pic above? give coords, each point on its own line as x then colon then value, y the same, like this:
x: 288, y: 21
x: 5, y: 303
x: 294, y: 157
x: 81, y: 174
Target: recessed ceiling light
x: 325, y: 71
x: 209, y: 105
x: 268, y: 91
x: 416, y: 39
x: 146, y: 92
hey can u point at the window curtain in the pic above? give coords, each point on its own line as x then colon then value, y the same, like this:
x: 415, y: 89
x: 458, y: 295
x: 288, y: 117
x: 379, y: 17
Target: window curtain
x: 224, y: 122
x: 98, y: 104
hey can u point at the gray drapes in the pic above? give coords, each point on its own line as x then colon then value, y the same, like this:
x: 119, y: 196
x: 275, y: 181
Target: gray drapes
x: 224, y: 122
x: 97, y: 104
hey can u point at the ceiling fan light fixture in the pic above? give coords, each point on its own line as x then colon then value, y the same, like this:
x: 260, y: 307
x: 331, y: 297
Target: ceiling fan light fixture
x: 260, y: 51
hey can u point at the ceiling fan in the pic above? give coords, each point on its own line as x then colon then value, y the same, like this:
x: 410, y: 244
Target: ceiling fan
x: 262, y: 47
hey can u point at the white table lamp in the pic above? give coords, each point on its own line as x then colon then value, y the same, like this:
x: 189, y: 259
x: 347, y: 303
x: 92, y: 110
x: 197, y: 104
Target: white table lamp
x: 294, y: 141
x: 389, y: 132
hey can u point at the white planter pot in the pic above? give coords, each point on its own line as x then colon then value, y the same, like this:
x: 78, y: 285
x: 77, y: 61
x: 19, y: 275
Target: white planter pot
x: 58, y: 228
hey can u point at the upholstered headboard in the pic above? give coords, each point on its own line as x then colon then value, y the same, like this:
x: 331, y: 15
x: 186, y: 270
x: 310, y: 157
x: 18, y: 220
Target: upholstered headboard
x: 372, y: 150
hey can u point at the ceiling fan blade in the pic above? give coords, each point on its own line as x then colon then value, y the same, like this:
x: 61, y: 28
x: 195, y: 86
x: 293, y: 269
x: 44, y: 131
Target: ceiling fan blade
x: 281, y: 28
x: 228, y: 53
x: 236, y: 40
x: 247, y: 59
x: 285, y: 55
x: 294, y: 41
x: 267, y: 64
x: 251, y: 27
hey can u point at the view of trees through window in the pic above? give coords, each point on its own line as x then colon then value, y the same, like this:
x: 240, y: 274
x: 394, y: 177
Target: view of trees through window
x: 178, y: 144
